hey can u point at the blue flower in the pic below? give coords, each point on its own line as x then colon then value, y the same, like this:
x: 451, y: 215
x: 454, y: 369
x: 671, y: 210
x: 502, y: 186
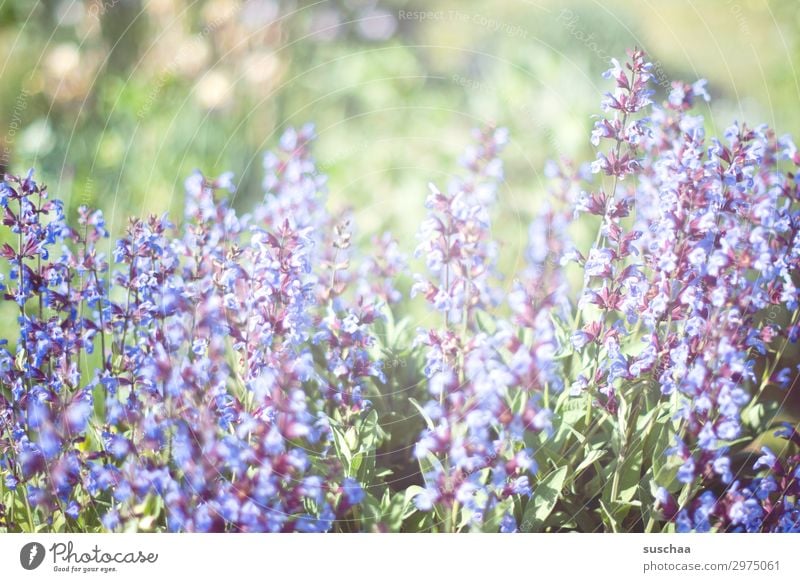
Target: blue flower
x: 73, y: 510
x: 353, y: 493
x: 111, y: 520
x: 686, y: 472
x: 766, y: 460
x: 508, y: 524
x: 425, y: 499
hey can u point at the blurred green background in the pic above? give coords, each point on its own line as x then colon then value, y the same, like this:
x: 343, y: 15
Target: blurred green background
x: 115, y: 102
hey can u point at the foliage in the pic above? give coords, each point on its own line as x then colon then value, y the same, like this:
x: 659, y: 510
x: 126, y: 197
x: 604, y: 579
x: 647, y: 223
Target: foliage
x: 251, y: 372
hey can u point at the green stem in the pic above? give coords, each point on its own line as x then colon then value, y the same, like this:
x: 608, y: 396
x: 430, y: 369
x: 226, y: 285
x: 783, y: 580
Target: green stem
x: 633, y: 415
x: 29, y: 511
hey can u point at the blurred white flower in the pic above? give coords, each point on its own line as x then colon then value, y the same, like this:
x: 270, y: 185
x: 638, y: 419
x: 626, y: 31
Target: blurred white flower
x: 213, y: 91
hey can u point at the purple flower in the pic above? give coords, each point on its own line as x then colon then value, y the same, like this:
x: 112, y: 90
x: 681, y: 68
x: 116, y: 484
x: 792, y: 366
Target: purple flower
x: 353, y: 492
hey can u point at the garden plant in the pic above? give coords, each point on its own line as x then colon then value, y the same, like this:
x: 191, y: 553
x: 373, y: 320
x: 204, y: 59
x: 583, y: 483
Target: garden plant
x: 229, y: 372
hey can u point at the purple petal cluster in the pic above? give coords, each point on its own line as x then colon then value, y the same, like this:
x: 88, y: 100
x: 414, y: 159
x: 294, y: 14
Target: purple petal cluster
x: 206, y: 407
x: 473, y: 452
x: 690, y: 280
x: 221, y: 372
x: 766, y: 502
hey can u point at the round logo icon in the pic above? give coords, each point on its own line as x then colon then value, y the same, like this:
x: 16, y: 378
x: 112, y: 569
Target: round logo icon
x: 31, y: 555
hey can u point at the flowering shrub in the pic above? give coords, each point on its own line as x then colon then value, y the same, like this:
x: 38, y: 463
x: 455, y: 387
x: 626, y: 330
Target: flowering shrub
x: 253, y: 373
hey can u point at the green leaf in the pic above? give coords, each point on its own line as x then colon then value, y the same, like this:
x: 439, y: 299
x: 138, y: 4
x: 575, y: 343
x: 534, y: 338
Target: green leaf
x: 340, y: 444
x: 370, y: 434
x: 593, y: 456
x: 351, y: 438
x: 545, y: 497
x: 430, y: 463
x: 423, y: 414
x: 665, y: 468
x: 629, y: 469
x: 760, y: 416
x: 572, y: 415
x: 608, y: 519
x: 372, y: 511
x: 485, y: 322
x: 356, y: 462
x: 411, y: 492
x: 395, y: 511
